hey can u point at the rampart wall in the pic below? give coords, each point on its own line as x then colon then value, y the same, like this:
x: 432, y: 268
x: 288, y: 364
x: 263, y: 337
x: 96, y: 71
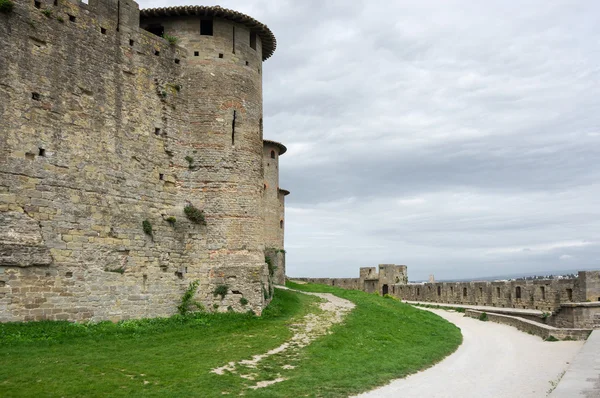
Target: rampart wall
x: 106, y: 125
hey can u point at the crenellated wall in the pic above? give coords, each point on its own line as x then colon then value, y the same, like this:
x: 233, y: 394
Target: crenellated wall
x: 106, y: 125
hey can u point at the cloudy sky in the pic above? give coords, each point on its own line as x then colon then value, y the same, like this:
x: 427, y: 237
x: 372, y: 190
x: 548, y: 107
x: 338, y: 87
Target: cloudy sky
x: 461, y: 138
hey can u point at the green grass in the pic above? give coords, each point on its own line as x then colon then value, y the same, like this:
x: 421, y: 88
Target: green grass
x: 380, y: 340
x: 174, y: 355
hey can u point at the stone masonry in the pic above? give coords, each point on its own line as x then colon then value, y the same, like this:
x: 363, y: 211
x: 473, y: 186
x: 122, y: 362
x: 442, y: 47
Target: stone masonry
x: 104, y: 125
x: 571, y: 302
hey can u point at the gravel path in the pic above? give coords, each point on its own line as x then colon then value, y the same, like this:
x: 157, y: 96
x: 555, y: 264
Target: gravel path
x: 493, y: 361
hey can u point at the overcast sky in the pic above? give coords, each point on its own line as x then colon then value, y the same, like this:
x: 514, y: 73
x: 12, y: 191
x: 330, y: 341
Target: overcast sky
x: 460, y: 138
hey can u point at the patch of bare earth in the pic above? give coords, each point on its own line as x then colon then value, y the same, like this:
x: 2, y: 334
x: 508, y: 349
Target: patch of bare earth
x: 331, y: 311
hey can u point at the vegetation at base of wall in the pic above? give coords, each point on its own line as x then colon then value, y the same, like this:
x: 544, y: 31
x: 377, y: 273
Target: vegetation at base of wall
x: 6, y: 6
x: 187, y: 300
x: 147, y: 227
x: 171, y: 220
x: 379, y: 340
x: 221, y: 290
x: 551, y: 338
x: 545, y: 315
x: 161, y: 357
x: 483, y: 317
x: 47, y: 12
x: 243, y: 301
x: 171, y: 39
x: 194, y: 214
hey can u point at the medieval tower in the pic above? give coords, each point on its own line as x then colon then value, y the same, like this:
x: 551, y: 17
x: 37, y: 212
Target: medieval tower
x: 132, y: 161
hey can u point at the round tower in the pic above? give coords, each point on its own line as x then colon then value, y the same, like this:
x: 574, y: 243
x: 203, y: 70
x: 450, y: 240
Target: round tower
x: 218, y: 158
x: 274, y: 208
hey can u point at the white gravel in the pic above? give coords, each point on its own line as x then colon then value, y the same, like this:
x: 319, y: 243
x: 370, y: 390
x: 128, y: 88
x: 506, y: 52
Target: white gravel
x: 493, y: 361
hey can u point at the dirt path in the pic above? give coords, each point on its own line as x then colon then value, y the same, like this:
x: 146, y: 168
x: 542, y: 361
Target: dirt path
x: 332, y: 311
x: 493, y: 361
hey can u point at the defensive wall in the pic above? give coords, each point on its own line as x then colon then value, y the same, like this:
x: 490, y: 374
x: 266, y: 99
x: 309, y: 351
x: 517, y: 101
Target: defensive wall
x: 569, y: 303
x: 105, y: 127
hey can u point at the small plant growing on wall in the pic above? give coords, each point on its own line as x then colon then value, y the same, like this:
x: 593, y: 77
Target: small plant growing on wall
x: 171, y: 39
x: 147, y: 227
x: 120, y: 270
x: 190, y: 161
x: 47, y: 12
x: 243, y: 301
x: 221, y: 290
x: 6, y: 6
x: 483, y: 317
x: 171, y: 220
x: 187, y: 300
x: 270, y: 265
x: 194, y: 214
x: 60, y: 19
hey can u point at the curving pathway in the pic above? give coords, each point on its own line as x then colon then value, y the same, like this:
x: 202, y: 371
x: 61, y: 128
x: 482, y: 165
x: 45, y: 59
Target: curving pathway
x: 494, y: 361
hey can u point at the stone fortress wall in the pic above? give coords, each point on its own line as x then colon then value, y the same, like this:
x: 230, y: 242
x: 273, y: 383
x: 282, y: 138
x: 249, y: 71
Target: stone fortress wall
x: 105, y: 125
x: 274, y: 208
x: 572, y: 302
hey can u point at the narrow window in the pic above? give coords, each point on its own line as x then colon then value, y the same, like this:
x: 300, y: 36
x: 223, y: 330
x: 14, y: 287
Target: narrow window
x: 233, y: 36
x: 196, y: 53
x: 543, y: 291
x: 156, y: 52
x: 206, y: 27
x: 418, y: 291
x: 272, y: 154
x: 498, y: 291
x: 464, y: 292
x: 451, y: 289
x: 157, y: 131
x: 518, y: 292
x: 37, y: 4
x: 69, y: 274
x: 72, y: 18
x: 439, y: 290
x: 220, y: 55
x: 103, y: 31
x: 55, y: 2
x: 35, y: 96
x: 247, y: 63
x: 481, y: 291
x: 177, y: 61
x: 42, y: 152
x: 570, y: 294
x: 131, y: 42
x: 260, y: 126
x: 281, y: 224
x: 253, y: 40
x: 233, y: 128
x: 161, y: 177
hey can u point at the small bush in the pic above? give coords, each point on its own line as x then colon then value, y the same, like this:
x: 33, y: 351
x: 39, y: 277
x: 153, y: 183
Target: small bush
x: 229, y: 309
x: 551, y: 338
x: 47, y: 12
x: 483, y: 317
x: 243, y: 301
x: 60, y: 19
x: 187, y: 300
x: 221, y: 290
x: 270, y: 265
x: 147, y: 227
x: 194, y: 214
x: 6, y: 6
x: 171, y: 220
x: 171, y: 39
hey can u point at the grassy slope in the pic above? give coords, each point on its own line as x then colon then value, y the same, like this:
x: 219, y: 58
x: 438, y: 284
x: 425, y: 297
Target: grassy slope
x: 175, y: 356
x: 380, y: 340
